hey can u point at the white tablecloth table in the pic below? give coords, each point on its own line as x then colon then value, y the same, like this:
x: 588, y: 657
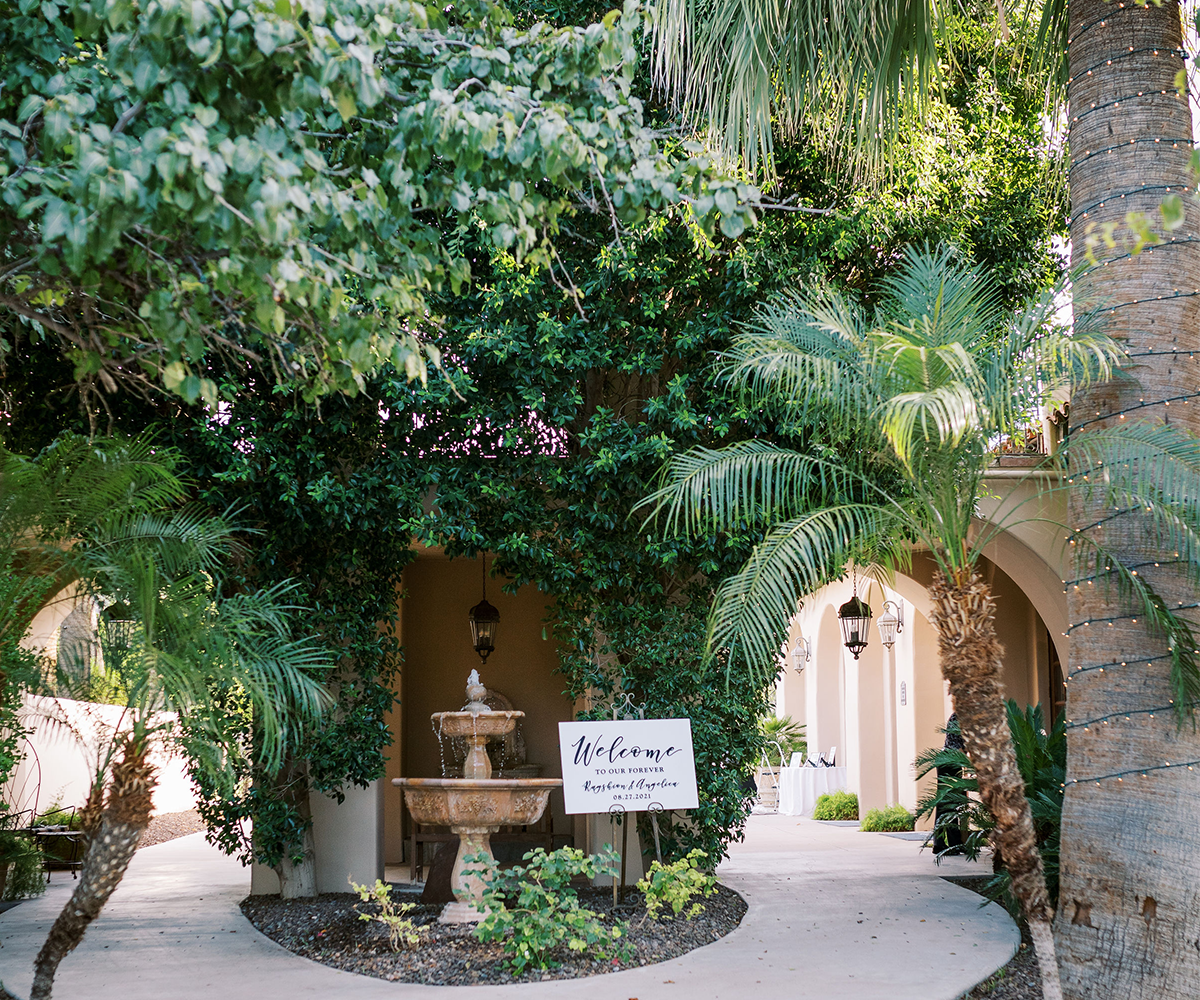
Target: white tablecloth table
x: 800, y: 786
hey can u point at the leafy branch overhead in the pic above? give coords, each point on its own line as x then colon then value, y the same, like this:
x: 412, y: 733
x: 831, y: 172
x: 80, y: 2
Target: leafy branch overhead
x: 289, y: 183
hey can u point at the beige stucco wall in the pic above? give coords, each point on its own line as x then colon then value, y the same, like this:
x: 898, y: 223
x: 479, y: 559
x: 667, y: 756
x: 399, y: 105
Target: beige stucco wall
x: 438, y: 656
x: 884, y: 708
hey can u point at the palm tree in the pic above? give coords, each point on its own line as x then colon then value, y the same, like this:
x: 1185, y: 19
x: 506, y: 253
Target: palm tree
x: 861, y: 68
x: 1131, y: 847
x: 176, y: 648
x: 926, y: 383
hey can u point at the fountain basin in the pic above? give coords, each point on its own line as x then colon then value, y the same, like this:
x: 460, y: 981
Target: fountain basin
x: 477, y: 801
x: 476, y: 723
x: 474, y: 808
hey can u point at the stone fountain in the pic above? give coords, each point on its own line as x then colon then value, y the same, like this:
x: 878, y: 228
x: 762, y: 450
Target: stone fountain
x: 476, y: 805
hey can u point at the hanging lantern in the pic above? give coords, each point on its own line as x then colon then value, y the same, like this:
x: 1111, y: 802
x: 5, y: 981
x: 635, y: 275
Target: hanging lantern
x: 485, y: 620
x: 117, y: 626
x: 890, y: 624
x: 855, y: 617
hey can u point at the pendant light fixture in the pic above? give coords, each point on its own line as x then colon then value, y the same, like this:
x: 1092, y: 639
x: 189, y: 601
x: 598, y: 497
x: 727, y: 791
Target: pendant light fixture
x: 855, y: 618
x: 485, y: 620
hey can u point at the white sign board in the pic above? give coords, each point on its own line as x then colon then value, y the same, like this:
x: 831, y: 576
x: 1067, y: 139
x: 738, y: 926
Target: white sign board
x: 634, y: 764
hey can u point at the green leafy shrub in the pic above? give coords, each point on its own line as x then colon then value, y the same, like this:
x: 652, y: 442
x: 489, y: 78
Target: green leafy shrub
x: 56, y: 815
x: 656, y: 654
x: 1042, y: 761
x: 676, y: 885
x: 21, y: 867
x: 839, y: 805
x: 533, y: 910
x: 783, y: 738
x: 893, y: 819
x: 402, y: 932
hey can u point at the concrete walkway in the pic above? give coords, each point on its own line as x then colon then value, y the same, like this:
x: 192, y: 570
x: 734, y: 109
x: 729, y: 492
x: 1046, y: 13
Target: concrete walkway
x: 834, y: 913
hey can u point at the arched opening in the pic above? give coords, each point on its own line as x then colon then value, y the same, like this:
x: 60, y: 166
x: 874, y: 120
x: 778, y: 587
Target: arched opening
x: 826, y: 727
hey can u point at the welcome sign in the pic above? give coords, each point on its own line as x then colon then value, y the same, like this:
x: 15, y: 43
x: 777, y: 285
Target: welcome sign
x: 630, y: 763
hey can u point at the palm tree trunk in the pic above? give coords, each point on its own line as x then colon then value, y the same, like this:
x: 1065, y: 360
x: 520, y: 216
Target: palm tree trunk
x: 112, y: 838
x: 1128, y: 923
x: 972, y: 661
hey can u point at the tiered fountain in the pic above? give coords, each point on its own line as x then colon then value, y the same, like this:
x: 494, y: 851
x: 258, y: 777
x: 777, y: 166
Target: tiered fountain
x: 476, y: 805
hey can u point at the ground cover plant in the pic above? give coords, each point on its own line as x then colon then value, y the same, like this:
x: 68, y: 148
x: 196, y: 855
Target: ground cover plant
x: 890, y: 819
x: 836, y: 806
x: 679, y: 886
x: 328, y: 929
x: 533, y: 910
x: 393, y: 914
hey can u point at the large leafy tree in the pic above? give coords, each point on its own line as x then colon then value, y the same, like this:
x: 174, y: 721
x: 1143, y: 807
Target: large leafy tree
x: 851, y: 73
x: 923, y: 384
x: 282, y: 183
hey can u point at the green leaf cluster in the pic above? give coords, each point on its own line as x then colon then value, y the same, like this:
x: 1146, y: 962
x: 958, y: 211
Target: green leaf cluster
x: 533, y: 910
x: 1041, y: 756
x: 836, y: 806
x: 401, y: 931
x: 677, y: 885
x: 278, y: 183
x: 891, y: 819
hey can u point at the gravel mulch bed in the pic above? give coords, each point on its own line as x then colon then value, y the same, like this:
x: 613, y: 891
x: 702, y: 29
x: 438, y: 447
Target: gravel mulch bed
x: 168, y: 826
x: 1021, y: 979
x: 328, y: 930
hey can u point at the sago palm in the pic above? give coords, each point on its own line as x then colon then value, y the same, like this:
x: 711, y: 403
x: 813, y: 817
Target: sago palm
x: 925, y: 385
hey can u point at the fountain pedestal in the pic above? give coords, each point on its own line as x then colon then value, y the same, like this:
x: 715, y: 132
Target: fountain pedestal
x: 474, y: 808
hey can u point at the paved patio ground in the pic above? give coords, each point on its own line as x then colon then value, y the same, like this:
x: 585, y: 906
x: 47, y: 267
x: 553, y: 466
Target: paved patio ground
x: 835, y: 914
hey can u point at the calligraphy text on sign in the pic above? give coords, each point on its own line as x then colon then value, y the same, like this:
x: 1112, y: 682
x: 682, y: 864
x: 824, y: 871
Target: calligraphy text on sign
x: 632, y: 763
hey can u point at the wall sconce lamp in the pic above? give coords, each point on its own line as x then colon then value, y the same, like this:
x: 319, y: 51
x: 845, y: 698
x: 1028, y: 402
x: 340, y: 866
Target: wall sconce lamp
x: 801, y: 654
x: 891, y: 623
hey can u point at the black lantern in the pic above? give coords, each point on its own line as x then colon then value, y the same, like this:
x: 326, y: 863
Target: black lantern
x: 855, y: 616
x: 484, y: 621
x: 117, y: 626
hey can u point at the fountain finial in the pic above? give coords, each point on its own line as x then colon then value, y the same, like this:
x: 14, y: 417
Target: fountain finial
x: 476, y: 692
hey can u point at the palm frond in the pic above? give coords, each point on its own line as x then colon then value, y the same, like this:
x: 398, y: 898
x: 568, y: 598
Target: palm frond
x: 748, y: 482
x: 1153, y: 469
x: 942, y: 416
x: 1096, y: 561
x: 751, y: 609
x: 735, y: 66
x: 939, y: 299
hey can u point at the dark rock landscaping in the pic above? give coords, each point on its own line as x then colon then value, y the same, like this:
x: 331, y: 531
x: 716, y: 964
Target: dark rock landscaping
x: 327, y: 929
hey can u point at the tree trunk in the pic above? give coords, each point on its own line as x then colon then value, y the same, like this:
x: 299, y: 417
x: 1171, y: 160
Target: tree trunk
x: 972, y: 661
x: 297, y: 879
x: 1128, y: 922
x: 113, y: 836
